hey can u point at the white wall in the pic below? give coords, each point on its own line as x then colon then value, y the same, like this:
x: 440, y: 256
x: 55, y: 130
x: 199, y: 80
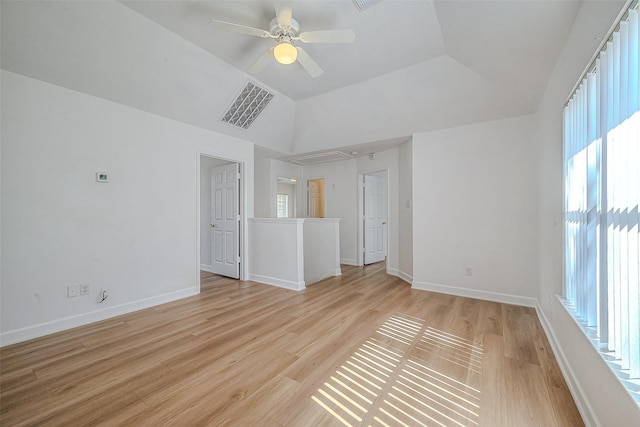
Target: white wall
x: 392, y: 106
x: 600, y: 397
x: 262, y: 183
x: 266, y: 177
x: 405, y: 212
x: 388, y: 160
x: 277, y: 251
x: 294, y: 252
x: 341, y: 195
x: 321, y: 249
x: 135, y: 236
x: 475, y: 206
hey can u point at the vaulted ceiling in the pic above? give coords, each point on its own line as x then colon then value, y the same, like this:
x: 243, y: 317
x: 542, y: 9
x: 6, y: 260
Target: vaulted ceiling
x: 414, y: 66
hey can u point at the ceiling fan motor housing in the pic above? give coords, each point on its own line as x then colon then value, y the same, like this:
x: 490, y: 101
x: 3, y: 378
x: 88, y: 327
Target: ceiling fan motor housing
x: 291, y: 31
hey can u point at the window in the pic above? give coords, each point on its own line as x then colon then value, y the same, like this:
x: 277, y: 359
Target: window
x: 282, y: 205
x: 601, y: 198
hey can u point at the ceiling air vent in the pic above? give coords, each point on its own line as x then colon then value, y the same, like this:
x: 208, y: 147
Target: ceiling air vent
x: 363, y: 4
x: 247, y: 106
x: 312, y: 159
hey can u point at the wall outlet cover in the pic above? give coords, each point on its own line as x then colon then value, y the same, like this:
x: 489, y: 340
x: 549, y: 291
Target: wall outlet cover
x: 72, y: 291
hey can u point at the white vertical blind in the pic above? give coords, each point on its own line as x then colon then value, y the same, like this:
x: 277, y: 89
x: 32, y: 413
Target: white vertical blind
x: 602, y: 195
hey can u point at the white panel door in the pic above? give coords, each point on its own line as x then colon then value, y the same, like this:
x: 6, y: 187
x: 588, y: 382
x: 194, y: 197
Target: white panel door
x: 375, y: 219
x: 225, y: 221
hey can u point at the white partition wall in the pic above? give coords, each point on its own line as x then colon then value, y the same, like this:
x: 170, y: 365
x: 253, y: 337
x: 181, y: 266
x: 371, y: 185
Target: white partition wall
x: 321, y: 249
x: 276, y: 252
x: 280, y: 256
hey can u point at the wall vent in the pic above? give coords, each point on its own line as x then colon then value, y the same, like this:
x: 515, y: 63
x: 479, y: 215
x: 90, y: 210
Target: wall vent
x: 247, y: 106
x: 363, y: 4
x: 312, y: 159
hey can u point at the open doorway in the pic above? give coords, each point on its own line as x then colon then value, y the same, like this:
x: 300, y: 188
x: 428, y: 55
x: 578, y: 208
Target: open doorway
x: 315, y: 198
x: 373, y: 212
x: 220, y: 212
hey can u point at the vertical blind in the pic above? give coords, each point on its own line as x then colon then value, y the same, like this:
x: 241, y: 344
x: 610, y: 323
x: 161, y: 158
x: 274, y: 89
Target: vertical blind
x: 601, y: 196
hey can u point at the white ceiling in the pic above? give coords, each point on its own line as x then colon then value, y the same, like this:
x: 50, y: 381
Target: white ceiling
x: 510, y: 42
x: 416, y: 65
x: 390, y: 35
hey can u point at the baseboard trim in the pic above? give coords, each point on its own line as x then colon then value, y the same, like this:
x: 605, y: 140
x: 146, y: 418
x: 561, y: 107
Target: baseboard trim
x: 401, y: 274
x: 578, y: 394
x: 46, y: 328
x: 273, y: 281
x: 332, y: 273
x: 208, y: 268
x: 476, y: 294
x: 349, y: 261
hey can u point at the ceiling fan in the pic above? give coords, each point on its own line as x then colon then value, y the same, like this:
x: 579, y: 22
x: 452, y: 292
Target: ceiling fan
x: 286, y: 30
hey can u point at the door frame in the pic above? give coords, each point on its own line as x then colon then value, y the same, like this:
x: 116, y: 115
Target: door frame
x: 361, y: 211
x: 242, y: 211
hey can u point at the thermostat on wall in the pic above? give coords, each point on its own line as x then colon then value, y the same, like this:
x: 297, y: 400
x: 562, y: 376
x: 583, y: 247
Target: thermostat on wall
x: 102, y: 177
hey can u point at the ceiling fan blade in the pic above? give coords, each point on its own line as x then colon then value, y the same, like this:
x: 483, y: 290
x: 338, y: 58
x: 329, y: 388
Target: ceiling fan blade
x: 260, y: 63
x: 308, y: 64
x: 242, y: 29
x: 328, y: 36
x: 284, y: 12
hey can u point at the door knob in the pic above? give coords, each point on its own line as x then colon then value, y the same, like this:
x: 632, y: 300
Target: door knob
x: 211, y: 225
x: 384, y: 223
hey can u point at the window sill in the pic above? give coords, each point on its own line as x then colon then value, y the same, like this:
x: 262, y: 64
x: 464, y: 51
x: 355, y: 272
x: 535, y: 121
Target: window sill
x: 631, y: 385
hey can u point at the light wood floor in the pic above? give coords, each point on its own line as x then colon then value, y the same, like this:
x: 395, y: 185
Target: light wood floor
x: 361, y: 349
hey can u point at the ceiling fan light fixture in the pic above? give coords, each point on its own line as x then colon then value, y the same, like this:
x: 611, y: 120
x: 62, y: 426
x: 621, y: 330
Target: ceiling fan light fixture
x: 285, y: 53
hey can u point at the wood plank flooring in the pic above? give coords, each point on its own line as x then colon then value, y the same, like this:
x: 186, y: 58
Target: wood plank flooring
x: 360, y: 349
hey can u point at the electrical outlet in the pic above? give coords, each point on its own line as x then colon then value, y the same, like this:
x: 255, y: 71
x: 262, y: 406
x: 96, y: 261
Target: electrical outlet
x: 72, y: 291
x: 468, y: 271
x: 85, y: 289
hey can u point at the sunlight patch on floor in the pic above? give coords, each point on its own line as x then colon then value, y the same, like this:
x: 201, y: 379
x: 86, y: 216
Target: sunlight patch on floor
x: 406, y: 374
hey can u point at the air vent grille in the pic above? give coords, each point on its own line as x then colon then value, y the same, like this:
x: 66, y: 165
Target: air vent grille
x: 312, y: 159
x: 363, y: 4
x: 247, y: 106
